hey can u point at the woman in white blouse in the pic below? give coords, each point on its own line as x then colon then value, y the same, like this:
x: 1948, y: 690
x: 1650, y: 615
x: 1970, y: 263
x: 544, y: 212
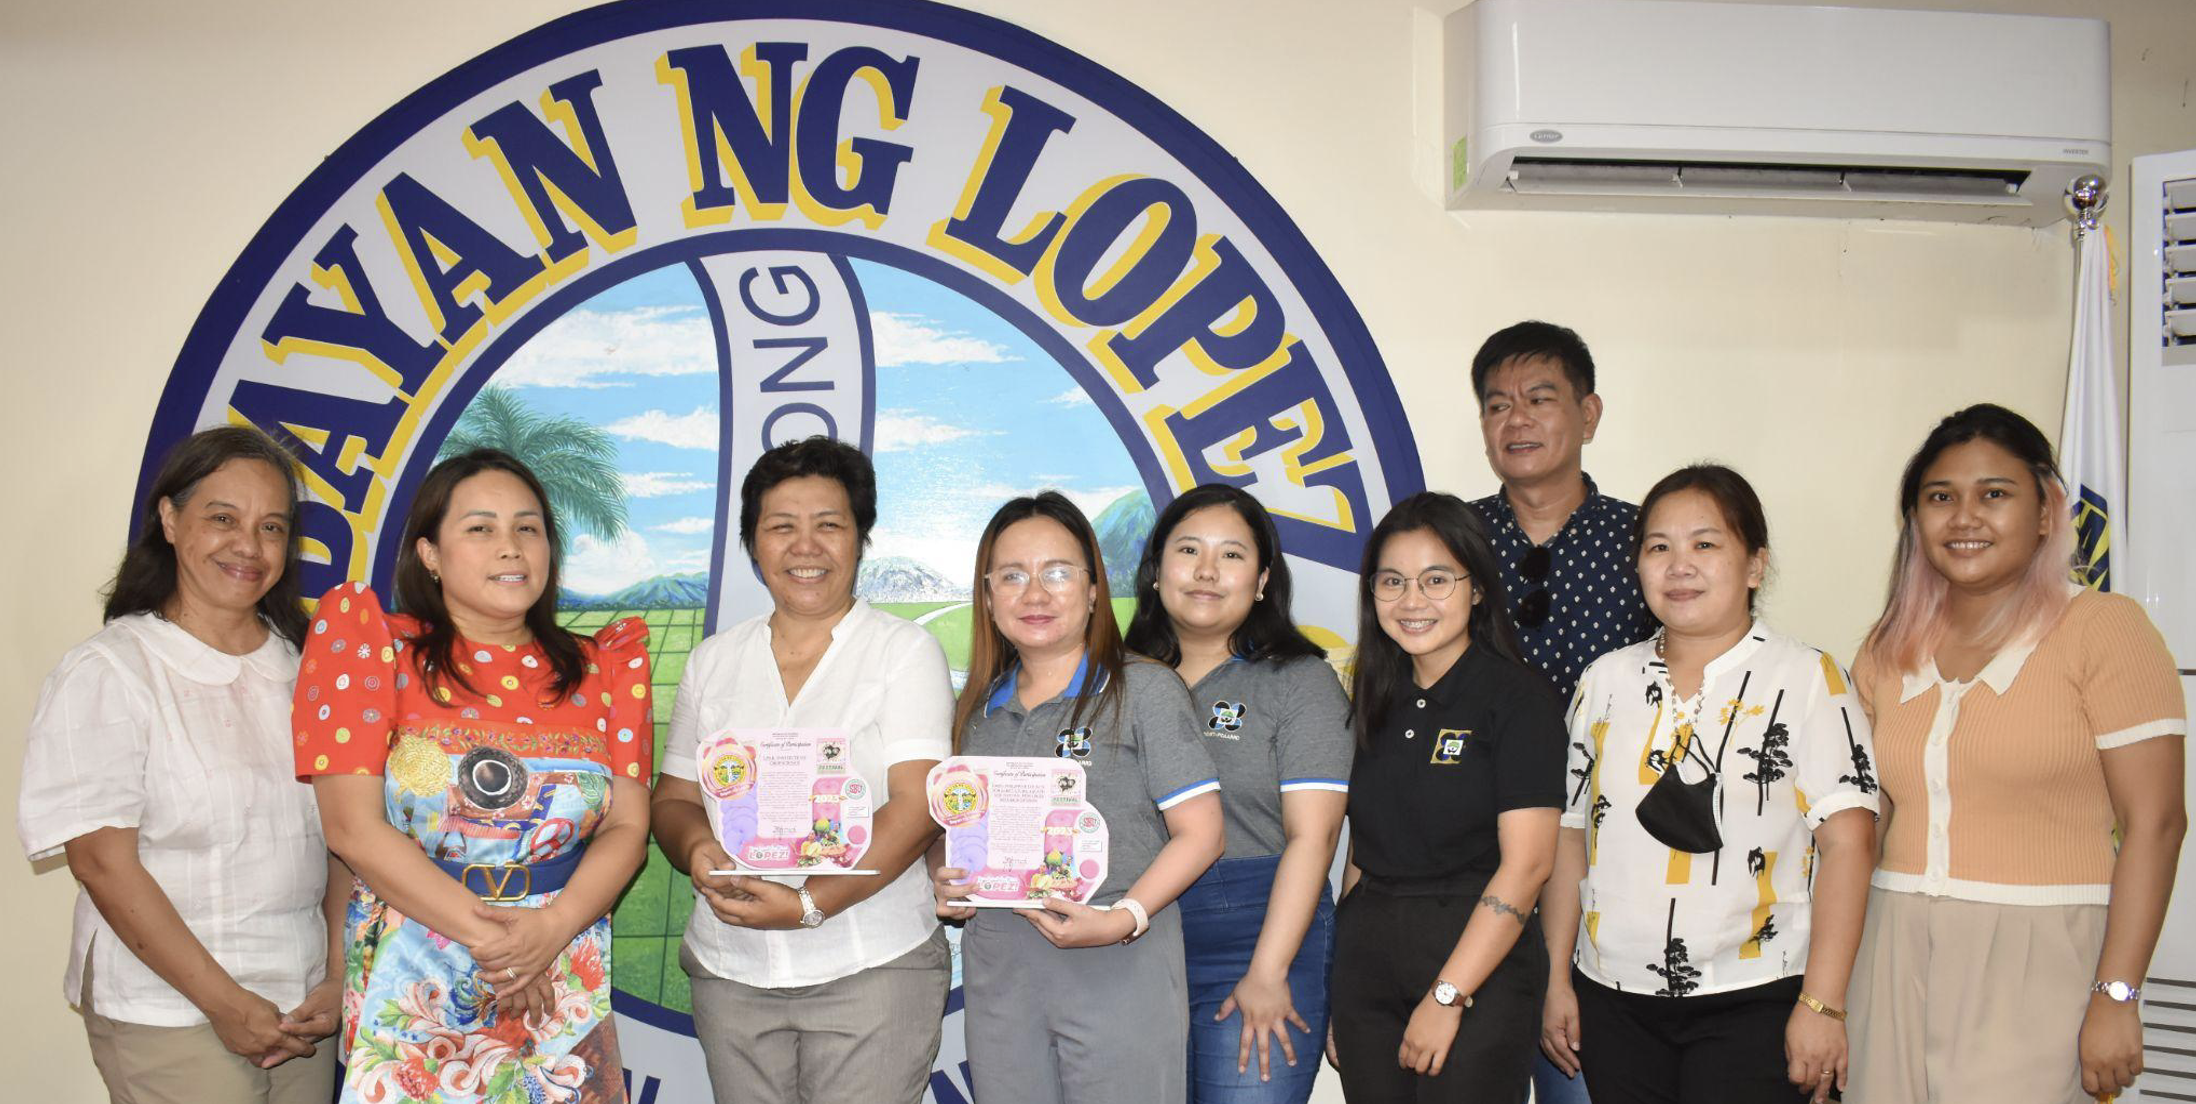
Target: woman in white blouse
x: 159, y: 761
x: 1713, y: 867
x: 832, y: 990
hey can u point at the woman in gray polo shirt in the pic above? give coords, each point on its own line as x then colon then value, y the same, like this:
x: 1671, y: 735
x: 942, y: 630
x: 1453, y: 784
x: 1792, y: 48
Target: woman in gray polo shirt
x: 1081, y: 1003
x: 1258, y: 929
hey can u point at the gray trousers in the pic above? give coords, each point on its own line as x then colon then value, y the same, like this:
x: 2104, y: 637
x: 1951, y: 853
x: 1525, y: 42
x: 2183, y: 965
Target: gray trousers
x: 867, y: 1037
x: 1093, y: 1025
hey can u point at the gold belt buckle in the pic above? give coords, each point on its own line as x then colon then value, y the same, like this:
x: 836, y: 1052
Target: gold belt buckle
x: 495, y: 880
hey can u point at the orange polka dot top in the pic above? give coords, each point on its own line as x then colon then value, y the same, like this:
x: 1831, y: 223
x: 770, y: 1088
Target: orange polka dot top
x: 359, y: 694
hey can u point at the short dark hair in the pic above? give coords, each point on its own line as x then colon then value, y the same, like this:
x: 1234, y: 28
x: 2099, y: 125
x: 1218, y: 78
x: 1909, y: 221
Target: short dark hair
x: 1382, y: 667
x: 419, y: 591
x: 1734, y: 498
x: 1267, y: 631
x: 819, y: 455
x: 1531, y: 341
x: 146, y: 578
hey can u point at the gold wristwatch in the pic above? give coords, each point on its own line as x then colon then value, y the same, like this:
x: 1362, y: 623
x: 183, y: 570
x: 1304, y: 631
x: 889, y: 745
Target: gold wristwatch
x: 1837, y: 1014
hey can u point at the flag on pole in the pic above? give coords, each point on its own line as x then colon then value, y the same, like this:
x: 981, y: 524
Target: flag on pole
x: 2092, y: 446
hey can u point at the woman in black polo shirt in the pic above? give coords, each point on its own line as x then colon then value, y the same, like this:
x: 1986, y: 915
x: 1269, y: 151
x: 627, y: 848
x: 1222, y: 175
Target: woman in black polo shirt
x: 1439, y: 967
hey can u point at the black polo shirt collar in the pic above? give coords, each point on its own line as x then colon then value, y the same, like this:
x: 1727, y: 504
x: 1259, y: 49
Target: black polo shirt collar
x: 1452, y: 689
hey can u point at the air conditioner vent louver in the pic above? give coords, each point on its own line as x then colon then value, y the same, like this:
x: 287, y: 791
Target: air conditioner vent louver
x: 2177, y: 215
x: 1738, y: 180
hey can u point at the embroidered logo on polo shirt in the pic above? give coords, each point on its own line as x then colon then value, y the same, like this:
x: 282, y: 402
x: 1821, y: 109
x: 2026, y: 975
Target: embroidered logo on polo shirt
x: 1448, y: 746
x: 1226, y: 721
x: 1074, y: 743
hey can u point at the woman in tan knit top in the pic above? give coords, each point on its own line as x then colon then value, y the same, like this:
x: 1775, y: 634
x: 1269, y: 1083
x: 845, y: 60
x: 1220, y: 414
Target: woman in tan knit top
x: 2020, y: 721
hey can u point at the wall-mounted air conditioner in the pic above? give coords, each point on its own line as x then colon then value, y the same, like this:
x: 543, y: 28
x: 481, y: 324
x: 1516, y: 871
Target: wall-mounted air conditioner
x: 1651, y: 105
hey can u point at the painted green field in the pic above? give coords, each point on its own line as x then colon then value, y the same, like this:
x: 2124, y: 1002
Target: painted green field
x: 654, y: 910
x: 645, y: 956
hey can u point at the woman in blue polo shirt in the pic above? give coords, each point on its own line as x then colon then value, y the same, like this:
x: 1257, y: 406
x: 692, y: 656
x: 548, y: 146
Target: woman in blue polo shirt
x: 1258, y: 929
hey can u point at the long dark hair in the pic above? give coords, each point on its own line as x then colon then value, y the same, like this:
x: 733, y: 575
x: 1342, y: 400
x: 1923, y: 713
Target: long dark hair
x: 419, y: 593
x: 1267, y: 631
x: 1913, y: 622
x: 1383, y: 668
x: 146, y: 579
x: 991, y: 654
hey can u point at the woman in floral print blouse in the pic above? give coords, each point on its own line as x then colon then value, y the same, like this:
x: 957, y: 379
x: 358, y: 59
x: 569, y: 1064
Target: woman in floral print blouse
x: 485, y: 772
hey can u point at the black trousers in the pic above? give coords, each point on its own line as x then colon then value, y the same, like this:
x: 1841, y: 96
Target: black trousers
x: 1389, y: 944
x: 1723, y: 1048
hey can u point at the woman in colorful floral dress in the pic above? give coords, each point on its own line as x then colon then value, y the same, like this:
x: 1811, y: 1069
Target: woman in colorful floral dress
x: 485, y: 773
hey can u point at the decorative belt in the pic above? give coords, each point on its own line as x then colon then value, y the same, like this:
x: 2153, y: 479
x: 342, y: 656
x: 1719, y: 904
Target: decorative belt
x: 513, y: 881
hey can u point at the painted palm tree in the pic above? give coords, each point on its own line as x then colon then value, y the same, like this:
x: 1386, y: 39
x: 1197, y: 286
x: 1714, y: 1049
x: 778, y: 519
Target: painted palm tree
x: 577, y: 463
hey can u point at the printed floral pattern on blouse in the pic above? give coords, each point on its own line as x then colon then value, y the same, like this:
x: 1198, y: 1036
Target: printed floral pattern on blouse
x: 509, y: 772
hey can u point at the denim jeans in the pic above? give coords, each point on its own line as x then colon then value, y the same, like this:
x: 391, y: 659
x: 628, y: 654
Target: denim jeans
x: 1551, y: 1087
x: 1221, y: 918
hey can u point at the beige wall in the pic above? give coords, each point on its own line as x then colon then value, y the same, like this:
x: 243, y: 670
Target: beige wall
x: 145, y: 142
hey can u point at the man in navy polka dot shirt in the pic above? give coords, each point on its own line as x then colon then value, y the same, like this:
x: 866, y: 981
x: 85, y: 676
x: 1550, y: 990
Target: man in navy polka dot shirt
x: 1565, y: 548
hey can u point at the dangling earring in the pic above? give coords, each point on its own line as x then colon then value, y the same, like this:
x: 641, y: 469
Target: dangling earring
x: 436, y: 579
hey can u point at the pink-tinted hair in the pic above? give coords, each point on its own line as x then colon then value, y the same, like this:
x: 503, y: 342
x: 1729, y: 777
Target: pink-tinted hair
x: 1912, y: 626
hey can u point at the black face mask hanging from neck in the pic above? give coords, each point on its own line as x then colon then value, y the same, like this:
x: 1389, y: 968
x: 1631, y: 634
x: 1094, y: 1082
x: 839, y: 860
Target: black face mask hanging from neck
x: 1682, y: 814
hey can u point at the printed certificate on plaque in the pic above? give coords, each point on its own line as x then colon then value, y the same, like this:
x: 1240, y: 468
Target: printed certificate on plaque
x: 786, y: 801
x: 1021, y: 827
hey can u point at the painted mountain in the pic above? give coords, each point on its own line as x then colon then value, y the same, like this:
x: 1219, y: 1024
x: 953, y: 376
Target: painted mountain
x: 1122, y: 528
x: 689, y: 591
x: 899, y: 579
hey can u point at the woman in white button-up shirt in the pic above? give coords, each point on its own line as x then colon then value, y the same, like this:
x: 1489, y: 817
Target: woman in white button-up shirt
x: 833, y: 990
x: 159, y: 762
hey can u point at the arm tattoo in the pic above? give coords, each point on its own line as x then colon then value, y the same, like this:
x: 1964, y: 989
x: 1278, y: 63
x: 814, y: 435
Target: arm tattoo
x: 1501, y: 907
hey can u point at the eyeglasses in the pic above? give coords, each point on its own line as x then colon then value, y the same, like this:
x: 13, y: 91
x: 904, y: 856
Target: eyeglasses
x: 1532, y: 612
x: 1434, y: 583
x: 1055, y: 578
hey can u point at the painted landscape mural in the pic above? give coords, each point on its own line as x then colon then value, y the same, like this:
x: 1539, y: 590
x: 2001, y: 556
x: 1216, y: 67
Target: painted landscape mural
x: 616, y: 406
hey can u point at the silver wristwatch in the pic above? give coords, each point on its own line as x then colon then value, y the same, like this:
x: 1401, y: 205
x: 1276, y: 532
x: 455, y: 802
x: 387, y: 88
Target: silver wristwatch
x: 1446, y: 995
x: 2117, y: 990
x: 811, y: 916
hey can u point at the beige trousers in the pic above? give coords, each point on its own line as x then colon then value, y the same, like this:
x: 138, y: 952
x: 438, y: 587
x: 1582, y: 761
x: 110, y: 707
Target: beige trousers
x: 142, y: 1064
x: 1964, y: 1001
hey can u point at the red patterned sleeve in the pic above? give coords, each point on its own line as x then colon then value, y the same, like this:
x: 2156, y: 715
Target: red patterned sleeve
x: 622, y: 647
x: 344, y: 709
